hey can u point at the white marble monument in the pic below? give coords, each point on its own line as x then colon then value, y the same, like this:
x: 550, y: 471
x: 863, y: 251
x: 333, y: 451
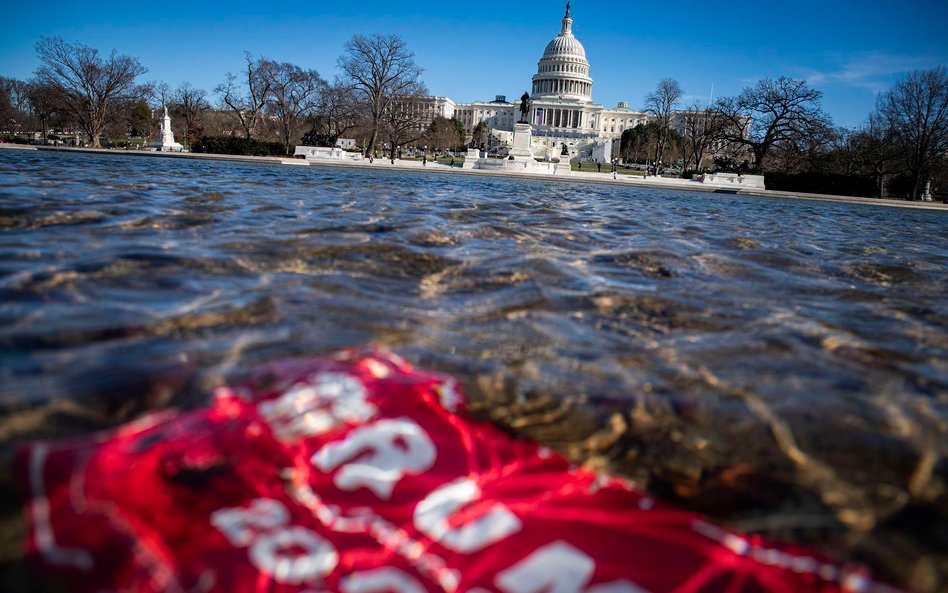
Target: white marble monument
x: 326, y: 153
x: 733, y: 179
x: 521, y: 149
x: 520, y: 159
x: 164, y: 141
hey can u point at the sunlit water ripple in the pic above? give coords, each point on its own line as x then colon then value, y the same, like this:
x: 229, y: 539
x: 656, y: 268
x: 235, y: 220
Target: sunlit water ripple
x: 778, y: 364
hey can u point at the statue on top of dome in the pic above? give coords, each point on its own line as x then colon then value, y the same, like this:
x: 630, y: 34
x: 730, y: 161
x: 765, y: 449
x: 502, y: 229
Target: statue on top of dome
x: 567, y: 22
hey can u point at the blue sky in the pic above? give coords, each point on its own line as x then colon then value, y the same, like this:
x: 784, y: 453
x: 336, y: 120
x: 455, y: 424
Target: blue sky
x: 473, y: 50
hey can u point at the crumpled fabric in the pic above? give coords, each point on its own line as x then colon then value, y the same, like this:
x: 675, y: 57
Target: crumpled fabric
x: 360, y: 474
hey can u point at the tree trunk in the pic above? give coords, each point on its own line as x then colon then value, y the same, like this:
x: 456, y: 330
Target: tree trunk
x: 286, y: 139
x: 759, y: 153
x: 659, y: 153
x: 373, y: 137
x: 94, y: 132
x: 916, y: 180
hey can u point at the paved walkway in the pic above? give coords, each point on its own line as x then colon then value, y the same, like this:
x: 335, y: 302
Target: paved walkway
x: 440, y: 168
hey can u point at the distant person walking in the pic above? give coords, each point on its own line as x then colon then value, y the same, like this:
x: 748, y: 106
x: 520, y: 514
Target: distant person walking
x: 598, y: 166
x: 424, y: 159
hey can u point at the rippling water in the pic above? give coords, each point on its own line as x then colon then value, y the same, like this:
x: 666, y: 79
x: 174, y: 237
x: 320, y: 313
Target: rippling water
x: 777, y: 364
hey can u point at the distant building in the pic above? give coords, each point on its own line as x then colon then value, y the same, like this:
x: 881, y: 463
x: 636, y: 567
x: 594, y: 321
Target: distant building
x: 562, y: 111
x: 498, y: 114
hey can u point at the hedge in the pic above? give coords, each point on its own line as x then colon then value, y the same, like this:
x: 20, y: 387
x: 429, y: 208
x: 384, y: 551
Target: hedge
x: 240, y: 146
x: 822, y: 183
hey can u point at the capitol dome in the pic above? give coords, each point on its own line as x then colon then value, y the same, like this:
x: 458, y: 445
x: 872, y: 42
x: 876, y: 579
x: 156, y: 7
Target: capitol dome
x: 563, y: 71
x: 564, y: 45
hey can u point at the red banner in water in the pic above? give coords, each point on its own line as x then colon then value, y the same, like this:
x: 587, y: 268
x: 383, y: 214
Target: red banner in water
x: 358, y: 474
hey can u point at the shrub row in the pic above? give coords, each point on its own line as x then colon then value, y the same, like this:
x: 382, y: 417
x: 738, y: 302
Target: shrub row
x: 240, y: 146
x: 822, y: 183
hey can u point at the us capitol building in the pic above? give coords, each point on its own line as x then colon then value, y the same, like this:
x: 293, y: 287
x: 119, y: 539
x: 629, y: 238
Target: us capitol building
x: 561, y: 112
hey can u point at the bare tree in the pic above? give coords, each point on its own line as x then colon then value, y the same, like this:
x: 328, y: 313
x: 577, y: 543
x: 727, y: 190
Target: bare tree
x: 700, y: 131
x: 8, y: 113
x: 340, y: 111
x: 875, y: 151
x: 916, y: 109
x: 404, y: 120
x: 91, y: 88
x: 805, y: 150
x: 294, y: 96
x: 161, y: 93
x: 15, y: 112
x: 45, y: 105
x: 218, y: 123
x: 190, y: 103
x: 661, y: 102
x: 379, y: 69
x: 248, y: 96
x: 770, y: 112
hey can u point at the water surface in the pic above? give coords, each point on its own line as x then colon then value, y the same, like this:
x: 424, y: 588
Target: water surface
x: 777, y: 364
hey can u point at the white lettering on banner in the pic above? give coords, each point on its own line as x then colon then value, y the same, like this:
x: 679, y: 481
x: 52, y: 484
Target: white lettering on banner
x: 558, y: 568
x: 432, y: 517
x: 397, y: 447
x: 316, y: 557
x: 381, y: 580
x: 327, y: 401
x: 240, y: 526
x: 290, y: 554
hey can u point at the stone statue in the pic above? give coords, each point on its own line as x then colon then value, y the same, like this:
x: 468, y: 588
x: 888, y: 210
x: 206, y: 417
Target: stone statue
x: 524, y: 107
x: 565, y: 151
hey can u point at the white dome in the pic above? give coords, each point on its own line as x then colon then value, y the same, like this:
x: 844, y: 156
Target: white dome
x: 563, y: 71
x: 565, y: 46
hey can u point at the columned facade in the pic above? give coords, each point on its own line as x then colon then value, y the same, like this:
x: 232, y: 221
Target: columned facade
x: 562, y: 112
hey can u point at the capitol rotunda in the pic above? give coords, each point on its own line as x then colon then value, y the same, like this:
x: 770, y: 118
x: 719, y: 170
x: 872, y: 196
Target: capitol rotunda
x: 562, y: 112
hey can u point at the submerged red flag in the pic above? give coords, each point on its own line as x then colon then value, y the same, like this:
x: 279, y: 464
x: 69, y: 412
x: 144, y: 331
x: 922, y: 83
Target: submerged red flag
x: 360, y: 474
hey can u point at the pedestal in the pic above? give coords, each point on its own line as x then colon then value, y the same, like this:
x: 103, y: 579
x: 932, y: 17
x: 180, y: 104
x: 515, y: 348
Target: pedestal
x: 471, y: 158
x: 521, y: 143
